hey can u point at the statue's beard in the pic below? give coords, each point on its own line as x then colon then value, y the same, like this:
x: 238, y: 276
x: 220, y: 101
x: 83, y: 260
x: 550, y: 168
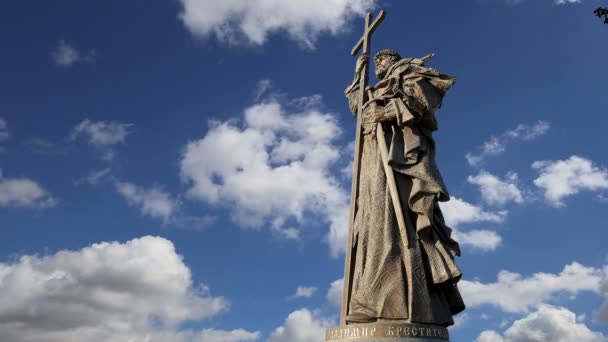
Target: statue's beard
x: 381, y: 72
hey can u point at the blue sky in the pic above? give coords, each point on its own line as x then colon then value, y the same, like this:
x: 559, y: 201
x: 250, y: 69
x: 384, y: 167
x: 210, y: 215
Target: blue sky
x: 179, y: 170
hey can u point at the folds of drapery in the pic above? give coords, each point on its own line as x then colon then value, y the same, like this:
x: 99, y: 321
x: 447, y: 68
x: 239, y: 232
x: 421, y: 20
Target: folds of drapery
x: 406, y: 100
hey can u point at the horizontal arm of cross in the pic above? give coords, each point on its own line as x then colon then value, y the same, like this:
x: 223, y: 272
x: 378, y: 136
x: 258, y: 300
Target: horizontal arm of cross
x: 368, y: 31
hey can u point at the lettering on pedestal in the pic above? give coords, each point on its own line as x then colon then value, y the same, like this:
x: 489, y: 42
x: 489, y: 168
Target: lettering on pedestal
x: 355, y: 331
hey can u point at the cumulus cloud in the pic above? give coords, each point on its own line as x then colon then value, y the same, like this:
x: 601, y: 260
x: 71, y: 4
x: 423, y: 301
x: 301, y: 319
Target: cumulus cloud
x: 498, y: 144
x: 458, y: 212
x: 495, y: 190
x: 334, y: 294
x: 548, y: 323
x: 65, y: 55
x: 518, y: 293
x: 272, y: 170
x: 562, y: 178
x: 24, y: 193
x: 212, y: 335
x: 252, y: 21
x: 301, y: 326
x: 304, y: 292
x: 602, y: 312
x: 153, y: 202
x: 103, y: 135
x: 481, y: 239
x: 140, y: 290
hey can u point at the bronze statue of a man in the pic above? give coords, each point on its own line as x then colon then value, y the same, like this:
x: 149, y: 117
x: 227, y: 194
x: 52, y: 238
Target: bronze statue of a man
x: 400, y: 271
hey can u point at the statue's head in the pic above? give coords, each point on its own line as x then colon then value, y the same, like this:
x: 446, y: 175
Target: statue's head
x: 384, y: 60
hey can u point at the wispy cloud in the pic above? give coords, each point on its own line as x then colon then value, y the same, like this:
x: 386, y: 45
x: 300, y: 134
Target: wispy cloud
x: 45, y: 147
x: 95, y: 176
x: 557, y: 2
x: 563, y: 2
x: 4, y: 132
x: 65, y: 55
x: 103, y: 135
x: 498, y: 144
x: 304, y: 292
x: 153, y: 202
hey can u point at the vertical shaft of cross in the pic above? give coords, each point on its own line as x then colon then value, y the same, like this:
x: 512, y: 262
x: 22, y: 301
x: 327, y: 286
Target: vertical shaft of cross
x: 363, y: 44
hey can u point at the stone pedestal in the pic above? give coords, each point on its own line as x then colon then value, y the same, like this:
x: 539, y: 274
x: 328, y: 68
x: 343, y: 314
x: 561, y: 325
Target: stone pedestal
x: 387, y: 332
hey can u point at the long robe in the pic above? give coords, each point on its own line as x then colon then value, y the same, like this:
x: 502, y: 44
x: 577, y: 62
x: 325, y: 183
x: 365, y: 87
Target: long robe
x: 413, y: 280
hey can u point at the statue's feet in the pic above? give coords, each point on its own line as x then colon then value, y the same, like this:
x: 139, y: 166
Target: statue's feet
x: 359, y: 317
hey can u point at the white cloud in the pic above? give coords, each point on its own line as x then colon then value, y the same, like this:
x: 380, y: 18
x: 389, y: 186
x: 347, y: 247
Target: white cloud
x: 558, y: 2
x: 140, y: 290
x: 460, y: 320
x: 272, y: 171
x: 495, y: 190
x: 602, y: 312
x: 519, y: 293
x: 253, y: 21
x: 4, y: 132
x: 153, y: 202
x: 45, y: 147
x: 95, y: 176
x: 334, y: 294
x: 562, y: 178
x: 103, y: 135
x: 489, y: 336
x: 548, y: 323
x: 306, y: 325
x: 301, y: 326
x: 482, y: 239
x: 304, y: 292
x: 498, y: 144
x: 65, y: 55
x: 212, y: 335
x: 563, y: 2
x: 24, y: 193
x: 457, y: 211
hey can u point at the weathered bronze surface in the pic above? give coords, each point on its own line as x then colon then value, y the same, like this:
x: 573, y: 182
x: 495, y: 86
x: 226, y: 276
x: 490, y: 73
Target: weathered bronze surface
x: 384, y: 331
x: 400, y: 257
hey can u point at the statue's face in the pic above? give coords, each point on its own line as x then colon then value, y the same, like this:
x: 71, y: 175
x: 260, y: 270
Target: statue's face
x: 383, y: 63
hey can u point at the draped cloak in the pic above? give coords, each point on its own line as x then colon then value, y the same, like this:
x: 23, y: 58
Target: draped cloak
x: 412, y: 280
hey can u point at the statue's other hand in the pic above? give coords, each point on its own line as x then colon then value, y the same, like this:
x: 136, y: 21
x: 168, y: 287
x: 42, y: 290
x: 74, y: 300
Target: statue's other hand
x: 361, y: 62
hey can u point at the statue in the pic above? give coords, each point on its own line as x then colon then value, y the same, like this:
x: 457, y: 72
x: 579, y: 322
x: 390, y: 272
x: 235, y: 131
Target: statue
x: 400, y: 258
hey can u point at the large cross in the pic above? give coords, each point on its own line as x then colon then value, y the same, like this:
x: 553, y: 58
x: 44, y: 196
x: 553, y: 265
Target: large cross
x: 363, y: 44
